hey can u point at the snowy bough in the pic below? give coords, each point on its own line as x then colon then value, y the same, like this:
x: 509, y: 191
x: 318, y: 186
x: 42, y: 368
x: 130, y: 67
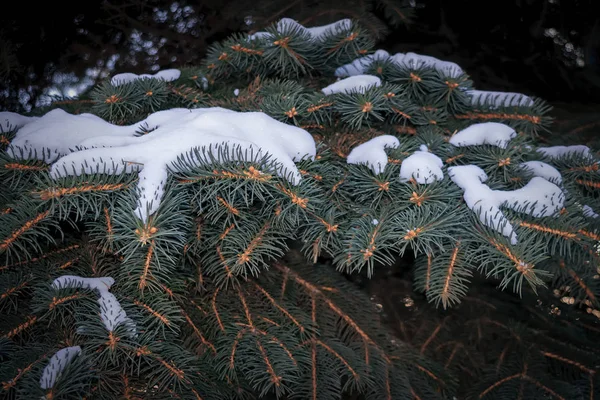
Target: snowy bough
x: 198, y: 233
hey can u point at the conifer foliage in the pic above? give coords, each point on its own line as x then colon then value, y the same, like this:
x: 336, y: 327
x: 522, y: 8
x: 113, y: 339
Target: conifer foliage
x: 238, y: 280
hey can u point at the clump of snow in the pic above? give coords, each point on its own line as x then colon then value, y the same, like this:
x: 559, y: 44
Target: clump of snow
x: 538, y: 198
x: 499, y: 99
x: 352, y: 84
x: 372, y: 152
x: 316, y: 32
x: 492, y: 133
x: 375, y: 222
x: 166, y: 75
x: 422, y: 166
x: 360, y: 65
x: 564, y: 151
x: 236, y: 92
x: 111, y: 312
x: 242, y: 136
x: 58, y: 362
x: 10, y: 120
x: 408, y: 60
x: 589, y: 212
x: 543, y: 170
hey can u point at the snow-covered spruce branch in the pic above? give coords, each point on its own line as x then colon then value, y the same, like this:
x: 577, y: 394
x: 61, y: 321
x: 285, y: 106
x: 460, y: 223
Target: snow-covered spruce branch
x: 222, y: 199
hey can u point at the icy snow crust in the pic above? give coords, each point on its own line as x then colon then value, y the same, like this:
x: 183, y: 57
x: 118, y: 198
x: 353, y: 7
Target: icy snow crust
x: 111, y: 312
x: 84, y: 144
x: 166, y: 75
x: 58, y: 362
x: 493, y: 133
x: 352, y: 84
x: 372, y: 153
x: 410, y: 60
x: 316, y: 32
x: 538, y: 198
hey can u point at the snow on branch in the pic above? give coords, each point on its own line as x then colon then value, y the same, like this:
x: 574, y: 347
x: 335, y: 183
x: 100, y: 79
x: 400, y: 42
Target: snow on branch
x: 84, y: 144
x: 111, y: 312
x: 10, y: 120
x: 58, y: 362
x: 372, y: 153
x: 499, y: 99
x: 316, y: 32
x: 353, y: 84
x: 408, y: 60
x: 166, y: 75
x: 422, y: 166
x: 554, y: 152
x: 538, y: 198
x: 492, y: 133
x: 543, y: 170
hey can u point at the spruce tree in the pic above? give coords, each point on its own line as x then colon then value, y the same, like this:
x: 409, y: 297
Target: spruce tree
x: 206, y: 233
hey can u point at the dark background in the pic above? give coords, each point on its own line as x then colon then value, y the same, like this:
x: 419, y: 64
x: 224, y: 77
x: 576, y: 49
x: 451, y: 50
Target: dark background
x: 545, y: 48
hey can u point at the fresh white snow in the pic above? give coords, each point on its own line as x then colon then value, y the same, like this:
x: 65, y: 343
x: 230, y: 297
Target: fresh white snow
x: 408, y: 60
x: 357, y: 83
x: 499, y: 99
x: 56, y: 365
x: 564, y: 151
x: 10, y: 120
x: 166, y: 75
x: 372, y: 153
x: 111, y: 312
x: 543, y: 170
x: 422, y: 166
x: 492, y: 133
x: 316, y: 32
x: 236, y: 92
x: 538, y: 198
x: 85, y: 143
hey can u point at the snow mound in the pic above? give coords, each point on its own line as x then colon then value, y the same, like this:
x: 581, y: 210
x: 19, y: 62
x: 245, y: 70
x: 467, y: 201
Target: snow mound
x: 499, y: 99
x: 538, y: 198
x: 554, y: 152
x: 316, y: 32
x: 10, y: 120
x: 166, y: 75
x: 111, y: 312
x: 372, y: 153
x: 58, y: 362
x: 408, y: 60
x: 422, y: 166
x: 492, y: 133
x: 87, y: 143
x: 352, y: 84
x: 543, y: 170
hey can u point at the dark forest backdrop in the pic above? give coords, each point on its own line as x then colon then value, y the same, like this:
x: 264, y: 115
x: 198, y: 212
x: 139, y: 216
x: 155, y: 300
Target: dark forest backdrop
x: 547, y: 48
